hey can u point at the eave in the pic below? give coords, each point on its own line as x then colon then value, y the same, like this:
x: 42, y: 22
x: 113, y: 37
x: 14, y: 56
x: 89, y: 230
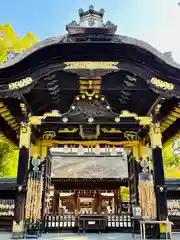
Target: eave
x: 89, y: 183
x: 8, y: 133
x: 124, y: 51
x: 5, y: 113
x: 171, y: 118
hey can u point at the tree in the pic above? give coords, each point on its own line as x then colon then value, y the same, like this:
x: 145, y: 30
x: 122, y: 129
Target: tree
x: 124, y: 192
x: 8, y: 160
x: 11, y: 42
x: 171, y: 161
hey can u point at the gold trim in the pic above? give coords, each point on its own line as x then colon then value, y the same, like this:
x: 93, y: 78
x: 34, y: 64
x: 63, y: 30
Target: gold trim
x: 20, y: 84
x: 66, y: 130
x: 126, y: 113
x: 135, y: 150
x: 35, y: 150
x: 143, y: 151
x: 36, y: 120
x: 90, y: 65
x: 87, y: 82
x: 25, y: 135
x: 131, y: 135
x: 111, y: 130
x: 49, y: 135
x: 144, y: 121
x: 43, y: 152
x: 155, y: 136
x: 95, y: 91
x: 52, y: 114
x: 162, y: 84
x: 51, y: 143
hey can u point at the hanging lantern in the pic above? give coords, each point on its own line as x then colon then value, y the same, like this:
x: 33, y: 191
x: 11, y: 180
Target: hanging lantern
x: 113, y: 151
x: 66, y: 149
x: 80, y: 150
x: 97, y: 149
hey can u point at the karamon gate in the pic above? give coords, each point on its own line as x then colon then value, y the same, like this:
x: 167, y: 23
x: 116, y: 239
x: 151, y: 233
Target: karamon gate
x: 89, y: 89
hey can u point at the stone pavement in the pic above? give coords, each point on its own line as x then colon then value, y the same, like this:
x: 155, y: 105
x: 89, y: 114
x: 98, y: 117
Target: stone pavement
x: 88, y: 236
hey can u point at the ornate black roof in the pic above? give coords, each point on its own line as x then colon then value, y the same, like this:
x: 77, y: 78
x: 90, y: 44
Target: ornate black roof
x: 92, y: 64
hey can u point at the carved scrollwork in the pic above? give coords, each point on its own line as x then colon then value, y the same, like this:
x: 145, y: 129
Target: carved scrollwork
x: 93, y: 108
x: 155, y: 135
x: 25, y: 135
x: 162, y: 84
x: 131, y: 136
x: 49, y: 135
x: 20, y: 84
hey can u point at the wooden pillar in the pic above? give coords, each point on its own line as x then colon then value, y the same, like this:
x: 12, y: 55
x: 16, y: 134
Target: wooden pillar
x: 98, y: 201
x: 143, y: 151
x: 45, y: 170
x: 120, y: 199
x: 22, y: 176
x: 135, y: 151
x: 56, y: 202
x: 159, y: 181
x: 117, y: 200
x: 76, y: 208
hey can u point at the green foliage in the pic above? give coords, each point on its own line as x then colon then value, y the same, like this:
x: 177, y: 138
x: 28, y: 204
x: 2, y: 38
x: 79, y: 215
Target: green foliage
x: 124, y: 192
x: 8, y: 160
x: 10, y: 41
x: 171, y: 163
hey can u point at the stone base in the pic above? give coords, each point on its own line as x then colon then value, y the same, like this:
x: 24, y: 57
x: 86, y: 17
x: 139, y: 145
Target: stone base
x: 19, y: 235
x: 158, y: 236
x: 18, y: 230
x: 163, y: 236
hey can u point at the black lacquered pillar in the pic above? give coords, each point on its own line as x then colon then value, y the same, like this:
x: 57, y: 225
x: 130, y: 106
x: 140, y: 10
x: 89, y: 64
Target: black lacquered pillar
x: 159, y: 180
x: 22, y: 175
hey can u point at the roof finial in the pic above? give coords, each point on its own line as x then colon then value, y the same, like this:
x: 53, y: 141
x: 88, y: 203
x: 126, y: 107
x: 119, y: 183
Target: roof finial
x: 90, y: 19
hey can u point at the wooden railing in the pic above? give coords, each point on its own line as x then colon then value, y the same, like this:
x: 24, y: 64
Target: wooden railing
x: 67, y: 221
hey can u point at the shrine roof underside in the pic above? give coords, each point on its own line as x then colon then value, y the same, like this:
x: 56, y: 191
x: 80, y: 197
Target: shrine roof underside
x: 101, y: 74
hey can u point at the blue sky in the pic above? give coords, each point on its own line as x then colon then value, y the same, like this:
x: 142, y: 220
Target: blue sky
x: 154, y: 21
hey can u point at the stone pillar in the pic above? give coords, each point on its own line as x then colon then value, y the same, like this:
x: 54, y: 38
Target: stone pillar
x: 22, y: 176
x: 159, y: 181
